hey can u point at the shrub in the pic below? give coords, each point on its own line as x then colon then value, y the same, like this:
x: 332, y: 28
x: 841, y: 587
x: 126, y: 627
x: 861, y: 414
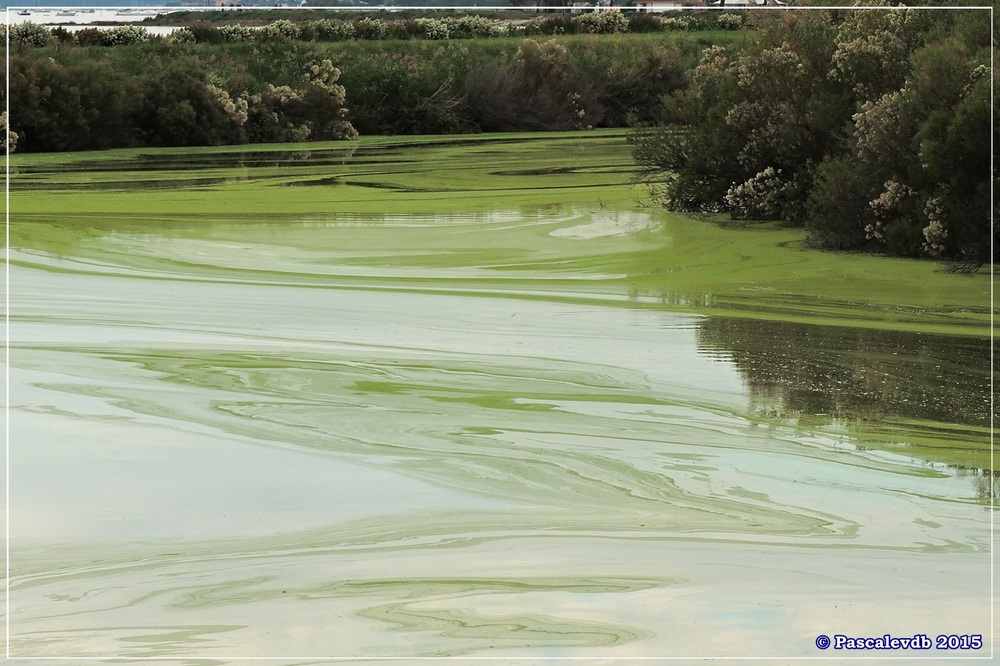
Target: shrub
x: 87, y: 104
x: 324, y: 99
x: 234, y: 32
x: 679, y: 23
x: 469, y: 27
x: 124, y: 34
x: 538, y: 89
x: 328, y: 30
x: 63, y: 35
x: 88, y: 37
x: 181, y: 36
x: 11, y: 136
x: 644, y: 22
x: 404, y: 92
x: 632, y: 90
x: 235, y: 110
x: 307, y: 31
x: 29, y: 34
x: 729, y: 21
x: 281, y: 29
x: 432, y: 28
x: 561, y: 24
x: 603, y: 23
x: 403, y: 30
x: 206, y: 33
x: 314, y: 111
x: 181, y: 108
x: 417, y: 87
x: 370, y: 28
x: 267, y: 121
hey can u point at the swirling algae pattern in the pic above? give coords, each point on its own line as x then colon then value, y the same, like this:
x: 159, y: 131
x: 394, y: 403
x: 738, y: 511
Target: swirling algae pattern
x: 396, y: 434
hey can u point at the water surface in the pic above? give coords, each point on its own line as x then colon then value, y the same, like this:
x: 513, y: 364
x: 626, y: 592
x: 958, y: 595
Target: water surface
x: 324, y: 432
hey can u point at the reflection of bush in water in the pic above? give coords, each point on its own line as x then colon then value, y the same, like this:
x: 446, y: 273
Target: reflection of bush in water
x: 986, y: 483
x: 848, y: 373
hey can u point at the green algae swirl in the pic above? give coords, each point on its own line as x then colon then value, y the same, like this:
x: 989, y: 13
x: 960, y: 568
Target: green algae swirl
x: 261, y: 407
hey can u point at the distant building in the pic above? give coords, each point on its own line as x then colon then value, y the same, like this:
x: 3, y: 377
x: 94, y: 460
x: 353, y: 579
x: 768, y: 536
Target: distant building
x: 580, y: 6
x: 657, y: 5
x: 747, y: 3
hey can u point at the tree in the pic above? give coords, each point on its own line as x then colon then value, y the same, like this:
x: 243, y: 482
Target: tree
x: 870, y: 128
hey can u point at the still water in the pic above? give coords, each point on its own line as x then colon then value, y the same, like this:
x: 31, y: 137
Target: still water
x: 394, y: 435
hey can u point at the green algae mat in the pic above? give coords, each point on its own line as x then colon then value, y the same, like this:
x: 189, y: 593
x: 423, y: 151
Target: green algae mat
x: 474, y: 396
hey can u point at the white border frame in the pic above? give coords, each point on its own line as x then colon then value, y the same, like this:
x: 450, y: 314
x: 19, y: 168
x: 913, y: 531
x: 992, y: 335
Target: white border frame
x: 822, y: 656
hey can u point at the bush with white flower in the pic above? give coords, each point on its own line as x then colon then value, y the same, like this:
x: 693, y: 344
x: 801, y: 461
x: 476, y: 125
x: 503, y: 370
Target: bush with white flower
x: 11, y: 134
x: 281, y: 29
x: 181, y: 36
x: 370, y: 28
x: 764, y: 196
x: 430, y: 28
x: 124, y: 34
x: 729, y: 21
x: 675, y: 24
x: 603, y: 23
x: 469, y: 27
x: 328, y: 30
x: 29, y: 34
x: 234, y: 32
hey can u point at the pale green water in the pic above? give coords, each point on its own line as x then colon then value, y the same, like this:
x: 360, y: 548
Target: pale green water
x: 381, y: 433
